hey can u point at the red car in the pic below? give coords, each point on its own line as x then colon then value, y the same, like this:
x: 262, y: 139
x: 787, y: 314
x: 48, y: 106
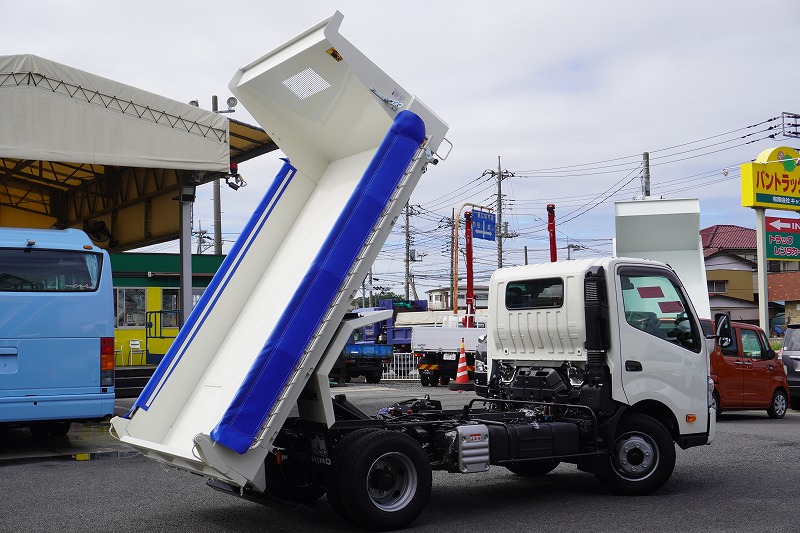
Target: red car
x: 747, y: 373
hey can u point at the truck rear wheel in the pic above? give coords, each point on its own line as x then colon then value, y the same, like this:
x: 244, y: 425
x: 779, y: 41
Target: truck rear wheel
x: 424, y: 379
x: 373, y: 377
x: 642, y: 456
x: 381, y: 479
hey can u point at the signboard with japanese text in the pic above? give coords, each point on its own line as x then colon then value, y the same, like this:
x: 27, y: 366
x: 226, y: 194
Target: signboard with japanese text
x: 483, y: 225
x: 773, y: 180
x: 783, y: 239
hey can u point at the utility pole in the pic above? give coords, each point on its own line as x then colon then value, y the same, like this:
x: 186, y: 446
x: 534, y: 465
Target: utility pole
x: 453, y: 251
x: 646, y: 179
x: 500, y: 174
x: 408, y: 248
x: 499, y: 214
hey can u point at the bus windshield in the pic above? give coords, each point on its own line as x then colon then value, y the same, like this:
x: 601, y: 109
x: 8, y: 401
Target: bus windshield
x: 28, y: 270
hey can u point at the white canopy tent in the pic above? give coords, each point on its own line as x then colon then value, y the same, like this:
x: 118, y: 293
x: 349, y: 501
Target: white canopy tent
x: 53, y: 112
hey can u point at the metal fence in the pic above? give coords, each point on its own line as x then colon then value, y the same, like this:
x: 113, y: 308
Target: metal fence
x: 402, y: 368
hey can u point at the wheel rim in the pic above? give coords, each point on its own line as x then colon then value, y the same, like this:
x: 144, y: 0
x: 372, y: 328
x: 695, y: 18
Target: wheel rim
x: 635, y: 456
x: 779, y: 404
x: 392, y: 481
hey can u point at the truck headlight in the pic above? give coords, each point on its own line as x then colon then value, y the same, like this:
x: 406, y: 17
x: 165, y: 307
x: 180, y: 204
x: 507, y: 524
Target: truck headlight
x: 480, y: 366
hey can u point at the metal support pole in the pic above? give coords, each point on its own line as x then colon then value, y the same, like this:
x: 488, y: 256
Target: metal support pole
x: 186, y: 261
x: 551, y: 229
x: 646, y: 180
x: 217, y: 199
x: 470, y: 297
x: 456, y: 218
x: 761, y: 252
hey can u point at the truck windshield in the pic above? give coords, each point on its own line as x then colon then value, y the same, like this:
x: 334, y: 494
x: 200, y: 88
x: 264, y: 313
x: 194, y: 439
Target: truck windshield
x: 27, y: 270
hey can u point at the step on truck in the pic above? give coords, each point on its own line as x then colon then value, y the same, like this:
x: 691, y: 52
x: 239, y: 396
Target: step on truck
x: 243, y: 398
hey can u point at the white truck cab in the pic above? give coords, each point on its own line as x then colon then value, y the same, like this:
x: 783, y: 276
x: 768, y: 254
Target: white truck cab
x: 616, y: 335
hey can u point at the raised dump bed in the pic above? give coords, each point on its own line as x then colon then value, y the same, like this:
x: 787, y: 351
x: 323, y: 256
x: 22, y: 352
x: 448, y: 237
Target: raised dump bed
x: 271, y: 322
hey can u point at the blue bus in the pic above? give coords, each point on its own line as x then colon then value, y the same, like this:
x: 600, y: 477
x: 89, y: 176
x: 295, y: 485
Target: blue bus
x: 56, y: 330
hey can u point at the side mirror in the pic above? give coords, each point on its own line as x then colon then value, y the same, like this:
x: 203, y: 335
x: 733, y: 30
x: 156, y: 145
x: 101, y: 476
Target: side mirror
x: 769, y: 355
x: 722, y: 329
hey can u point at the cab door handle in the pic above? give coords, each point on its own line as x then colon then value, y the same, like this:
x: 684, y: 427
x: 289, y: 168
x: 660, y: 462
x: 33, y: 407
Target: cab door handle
x: 633, y: 366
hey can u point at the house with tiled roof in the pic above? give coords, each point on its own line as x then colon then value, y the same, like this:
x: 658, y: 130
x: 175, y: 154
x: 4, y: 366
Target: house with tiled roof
x: 730, y: 254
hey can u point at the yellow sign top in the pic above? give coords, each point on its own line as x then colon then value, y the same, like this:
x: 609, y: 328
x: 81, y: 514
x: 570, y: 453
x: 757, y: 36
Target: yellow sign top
x: 773, y: 180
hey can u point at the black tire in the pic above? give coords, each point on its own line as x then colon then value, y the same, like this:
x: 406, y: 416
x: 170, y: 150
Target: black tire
x: 383, y: 479
x: 333, y: 491
x: 642, y: 456
x: 40, y: 430
x: 779, y: 404
x: 424, y: 379
x: 444, y: 380
x: 533, y: 468
x: 373, y: 377
x: 434, y: 379
x: 292, y: 479
x: 60, y: 429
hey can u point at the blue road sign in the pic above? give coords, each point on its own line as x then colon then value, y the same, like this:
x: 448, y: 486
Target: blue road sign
x: 483, y: 225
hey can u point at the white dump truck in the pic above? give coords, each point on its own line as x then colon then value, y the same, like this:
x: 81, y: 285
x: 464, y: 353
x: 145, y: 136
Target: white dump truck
x: 585, y: 366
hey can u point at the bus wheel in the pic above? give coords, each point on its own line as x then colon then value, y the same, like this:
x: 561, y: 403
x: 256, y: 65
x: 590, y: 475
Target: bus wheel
x: 383, y: 479
x: 60, y: 428
x: 40, y: 429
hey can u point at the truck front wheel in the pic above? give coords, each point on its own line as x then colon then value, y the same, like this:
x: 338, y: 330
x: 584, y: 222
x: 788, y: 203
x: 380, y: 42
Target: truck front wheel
x: 382, y: 479
x: 642, y: 456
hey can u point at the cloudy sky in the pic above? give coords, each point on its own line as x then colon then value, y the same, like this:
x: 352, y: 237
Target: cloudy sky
x: 568, y: 95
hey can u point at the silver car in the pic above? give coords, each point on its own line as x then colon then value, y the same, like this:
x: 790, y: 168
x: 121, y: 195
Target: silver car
x: 790, y: 353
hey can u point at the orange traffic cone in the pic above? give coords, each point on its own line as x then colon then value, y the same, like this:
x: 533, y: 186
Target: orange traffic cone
x: 462, y: 381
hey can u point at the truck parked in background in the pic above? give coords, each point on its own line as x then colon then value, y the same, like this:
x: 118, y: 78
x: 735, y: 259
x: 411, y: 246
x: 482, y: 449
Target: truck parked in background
x: 371, y: 347
x: 437, y: 348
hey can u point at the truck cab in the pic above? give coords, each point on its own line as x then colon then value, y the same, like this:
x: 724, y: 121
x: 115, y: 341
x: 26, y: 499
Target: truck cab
x: 615, y: 335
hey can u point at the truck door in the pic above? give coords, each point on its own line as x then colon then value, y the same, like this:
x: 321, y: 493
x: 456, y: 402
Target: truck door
x: 757, y: 372
x: 660, y: 342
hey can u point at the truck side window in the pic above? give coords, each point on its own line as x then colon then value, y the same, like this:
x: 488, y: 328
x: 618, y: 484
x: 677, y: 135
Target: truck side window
x: 544, y: 293
x: 654, y: 304
x: 751, y: 345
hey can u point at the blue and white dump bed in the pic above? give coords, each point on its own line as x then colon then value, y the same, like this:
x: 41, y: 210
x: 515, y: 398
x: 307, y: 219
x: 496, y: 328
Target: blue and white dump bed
x: 271, y: 322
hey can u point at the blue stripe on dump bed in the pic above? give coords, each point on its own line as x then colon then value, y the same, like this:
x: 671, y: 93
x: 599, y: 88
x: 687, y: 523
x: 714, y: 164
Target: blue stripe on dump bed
x: 270, y: 372
x: 218, y: 283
